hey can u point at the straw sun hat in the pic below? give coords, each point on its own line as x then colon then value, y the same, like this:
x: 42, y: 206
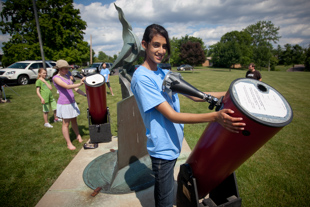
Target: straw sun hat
x: 62, y: 64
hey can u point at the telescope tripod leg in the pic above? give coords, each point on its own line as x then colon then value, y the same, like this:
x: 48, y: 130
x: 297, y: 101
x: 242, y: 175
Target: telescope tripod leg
x: 3, y: 98
x: 12, y: 89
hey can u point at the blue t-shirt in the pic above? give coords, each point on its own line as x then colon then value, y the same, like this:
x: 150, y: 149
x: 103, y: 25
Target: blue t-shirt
x: 164, y: 138
x: 105, y: 73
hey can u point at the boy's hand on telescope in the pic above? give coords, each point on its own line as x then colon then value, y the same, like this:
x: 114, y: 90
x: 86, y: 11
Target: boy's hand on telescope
x: 230, y: 123
x: 82, y: 81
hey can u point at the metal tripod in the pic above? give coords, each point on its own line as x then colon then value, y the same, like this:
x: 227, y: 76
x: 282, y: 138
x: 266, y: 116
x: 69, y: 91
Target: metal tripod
x: 3, y: 92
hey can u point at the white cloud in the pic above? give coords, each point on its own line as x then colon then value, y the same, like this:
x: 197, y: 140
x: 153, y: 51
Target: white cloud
x: 207, y: 19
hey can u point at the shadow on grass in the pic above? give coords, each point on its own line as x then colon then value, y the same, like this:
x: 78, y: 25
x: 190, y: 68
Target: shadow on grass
x: 7, y: 96
x: 188, y: 72
x: 84, y: 130
x: 227, y: 70
x: 81, y: 130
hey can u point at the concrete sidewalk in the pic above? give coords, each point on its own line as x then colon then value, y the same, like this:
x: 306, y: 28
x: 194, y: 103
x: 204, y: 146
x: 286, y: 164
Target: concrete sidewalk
x: 70, y: 190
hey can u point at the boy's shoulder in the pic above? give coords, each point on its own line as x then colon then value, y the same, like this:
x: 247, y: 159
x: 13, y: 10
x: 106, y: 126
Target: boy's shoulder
x: 38, y: 82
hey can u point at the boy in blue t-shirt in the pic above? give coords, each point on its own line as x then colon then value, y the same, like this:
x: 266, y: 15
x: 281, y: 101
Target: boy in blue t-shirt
x: 161, y: 114
x: 106, y: 73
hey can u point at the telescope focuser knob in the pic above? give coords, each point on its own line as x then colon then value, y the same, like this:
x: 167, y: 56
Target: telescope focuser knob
x: 212, y: 100
x: 219, y: 104
x: 211, y: 107
x: 213, y: 103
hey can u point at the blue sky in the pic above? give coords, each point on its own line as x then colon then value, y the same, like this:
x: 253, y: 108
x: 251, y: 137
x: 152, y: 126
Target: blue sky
x: 206, y: 19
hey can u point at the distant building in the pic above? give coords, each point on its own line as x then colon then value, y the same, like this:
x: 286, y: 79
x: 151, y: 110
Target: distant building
x: 208, y: 62
x: 237, y: 65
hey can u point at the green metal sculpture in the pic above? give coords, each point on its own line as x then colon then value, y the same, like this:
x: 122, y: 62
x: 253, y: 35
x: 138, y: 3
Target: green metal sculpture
x: 131, y: 50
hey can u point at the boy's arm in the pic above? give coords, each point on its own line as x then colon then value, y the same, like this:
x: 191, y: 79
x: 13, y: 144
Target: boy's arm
x: 230, y: 123
x: 46, y: 83
x: 215, y: 94
x: 39, y: 94
x: 79, y: 91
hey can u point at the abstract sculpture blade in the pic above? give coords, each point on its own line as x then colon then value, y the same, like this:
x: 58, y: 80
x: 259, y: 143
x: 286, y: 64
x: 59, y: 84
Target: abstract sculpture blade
x: 131, y: 50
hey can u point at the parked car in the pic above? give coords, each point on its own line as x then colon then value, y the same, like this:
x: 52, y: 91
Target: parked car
x: 185, y: 67
x: 109, y: 65
x: 50, y: 62
x: 23, y: 71
x: 95, y: 68
x: 73, y: 67
x: 164, y: 66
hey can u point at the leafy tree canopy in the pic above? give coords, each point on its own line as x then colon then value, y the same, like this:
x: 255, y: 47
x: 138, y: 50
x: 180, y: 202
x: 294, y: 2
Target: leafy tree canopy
x: 293, y: 55
x: 298, y: 55
x: 102, y: 57
x: 192, y: 53
x: 234, y: 47
x: 61, y: 31
x: 263, y: 31
x: 307, y: 59
x: 176, y: 57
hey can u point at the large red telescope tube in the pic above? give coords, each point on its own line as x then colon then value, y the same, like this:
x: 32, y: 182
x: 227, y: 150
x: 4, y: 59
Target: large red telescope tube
x: 218, y: 153
x: 96, y: 97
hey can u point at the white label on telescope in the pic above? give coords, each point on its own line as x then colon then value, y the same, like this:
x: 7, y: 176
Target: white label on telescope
x: 255, y: 101
x: 94, y: 79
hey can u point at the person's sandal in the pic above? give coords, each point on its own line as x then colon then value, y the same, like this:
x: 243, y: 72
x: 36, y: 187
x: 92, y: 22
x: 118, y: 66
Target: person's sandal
x: 90, y: 145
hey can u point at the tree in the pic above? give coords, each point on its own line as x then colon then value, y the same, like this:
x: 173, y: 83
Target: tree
x: 293, y: 55
x: 262, y: 54
x: 263, y: 33
x: 175, y: 51
x: 61, y: 31
x: 234, y: 47
x: 298, y: 56
x: 176, y: 44
x: 307, y: 59
x: 287, y: 55
x: 215, y: 53
x: 103, y: 57
x: 238, y: 45
x: 192, y: 53
x: 192, y: 39
x: 278, y: 53
x: 230, y: 54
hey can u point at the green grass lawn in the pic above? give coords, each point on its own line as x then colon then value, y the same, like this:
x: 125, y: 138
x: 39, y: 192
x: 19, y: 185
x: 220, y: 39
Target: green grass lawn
x: 276, y: 175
